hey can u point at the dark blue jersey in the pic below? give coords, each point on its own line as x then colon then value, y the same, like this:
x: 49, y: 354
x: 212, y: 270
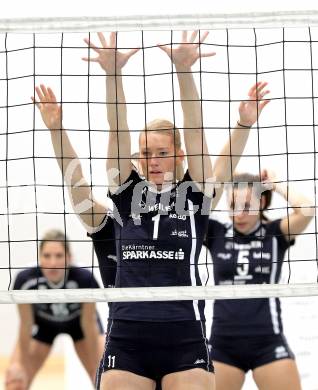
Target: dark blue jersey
x: 105, y: 249
x: 255, y: 258
x: 55, y: 314
x: 159, y: 236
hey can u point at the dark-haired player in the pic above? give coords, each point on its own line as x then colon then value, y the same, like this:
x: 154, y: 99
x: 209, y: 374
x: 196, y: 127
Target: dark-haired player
x: 248, y: 334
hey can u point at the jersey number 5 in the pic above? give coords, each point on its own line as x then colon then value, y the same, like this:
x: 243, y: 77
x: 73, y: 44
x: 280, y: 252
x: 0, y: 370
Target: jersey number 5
x: 242, y: 263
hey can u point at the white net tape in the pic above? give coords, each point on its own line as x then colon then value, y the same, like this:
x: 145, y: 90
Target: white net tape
x: 158, y: 293
x: 161, y: 22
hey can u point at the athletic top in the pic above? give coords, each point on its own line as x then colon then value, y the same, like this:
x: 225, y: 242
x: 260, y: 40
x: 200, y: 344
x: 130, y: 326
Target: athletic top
x: 254, y: 258
x: 58, y: 314
x: 105, y: 249
x: 158, y: 237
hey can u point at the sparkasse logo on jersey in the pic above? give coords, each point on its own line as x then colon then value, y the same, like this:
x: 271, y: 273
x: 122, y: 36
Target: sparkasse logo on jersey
x: 153, y: 254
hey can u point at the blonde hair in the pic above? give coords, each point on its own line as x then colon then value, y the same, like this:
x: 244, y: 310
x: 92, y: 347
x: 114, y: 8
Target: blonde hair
x: 55, y: 235
x: 163, y: 126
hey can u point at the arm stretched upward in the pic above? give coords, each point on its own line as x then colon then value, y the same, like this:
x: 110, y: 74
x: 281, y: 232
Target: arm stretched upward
x: 90, y: 212
x: 183, y: 57
x: 112, y: 61
x: 249, y: 112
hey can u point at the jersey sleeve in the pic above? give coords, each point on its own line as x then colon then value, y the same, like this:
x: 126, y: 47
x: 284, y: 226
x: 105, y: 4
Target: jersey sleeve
x: 215, y: 231
x: 21, y: 278
x: 188, y: 191
x: 187, y: 178
x: 19, y: 281
x: 84, y: 277
x: 93, y: 282
x: 123, y: 197
x: 105, y: 248
x: 274, y: 230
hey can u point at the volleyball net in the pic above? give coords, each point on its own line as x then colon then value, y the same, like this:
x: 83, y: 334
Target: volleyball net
x: 281, y: 49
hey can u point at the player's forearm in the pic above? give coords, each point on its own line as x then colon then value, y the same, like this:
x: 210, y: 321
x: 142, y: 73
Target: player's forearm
x: 90, y: 331
x: 298, y: 201
x: 119, y: 143
x: 116, y: 103
x: 16, y: 356
x: 230, y: 155
x: 23, y: 346
x: 190, y: 102
x: 91, y: 335
x: 66, y: 155
x: 200, y: 169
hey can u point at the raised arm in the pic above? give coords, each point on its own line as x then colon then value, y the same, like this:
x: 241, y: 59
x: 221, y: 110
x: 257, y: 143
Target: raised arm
x: 119, y: 145
x: 303, y: 211
x: 249, y: 112
x: 183, y: 57
x: 90, y: 212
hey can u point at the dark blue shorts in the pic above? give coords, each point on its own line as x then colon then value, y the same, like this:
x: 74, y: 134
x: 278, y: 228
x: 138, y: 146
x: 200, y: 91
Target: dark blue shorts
x: 155, y: 349
x: 248, y: 353
x: 46, y: 332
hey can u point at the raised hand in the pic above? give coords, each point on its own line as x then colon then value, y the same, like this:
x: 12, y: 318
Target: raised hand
x: 269, y: 179
x: 187, y: 53
x: 50, y: 110
x: 251, y: 109
x: 109, y: 58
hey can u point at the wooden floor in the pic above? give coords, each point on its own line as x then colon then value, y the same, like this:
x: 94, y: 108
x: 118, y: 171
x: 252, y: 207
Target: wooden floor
x: 51, y: 376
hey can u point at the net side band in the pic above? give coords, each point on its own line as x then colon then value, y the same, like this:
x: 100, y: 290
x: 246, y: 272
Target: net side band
x: 161, y: 22
x: 158, y: 293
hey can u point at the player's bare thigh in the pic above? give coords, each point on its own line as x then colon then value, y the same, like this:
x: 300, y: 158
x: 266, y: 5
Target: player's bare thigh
x: 228, y: 377
x: 194, y: 379
x: 281, y: 374
x: 125, y: 380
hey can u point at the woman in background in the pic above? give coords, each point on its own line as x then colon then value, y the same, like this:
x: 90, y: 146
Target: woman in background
x: 41, y: 323
x: 247, y: 334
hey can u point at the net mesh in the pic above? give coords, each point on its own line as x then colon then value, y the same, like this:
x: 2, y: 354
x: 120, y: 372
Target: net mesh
x: 33, y: 195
